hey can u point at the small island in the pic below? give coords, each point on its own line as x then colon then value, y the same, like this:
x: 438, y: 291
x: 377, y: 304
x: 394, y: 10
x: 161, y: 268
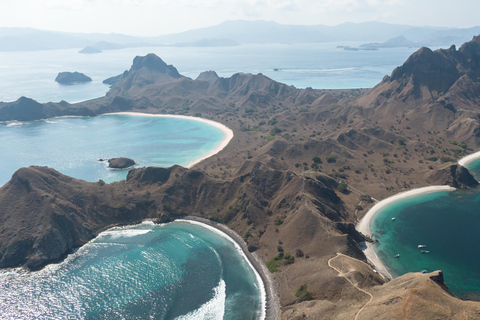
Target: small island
x: 90, y: 50
x: 72, y: 78
x: 120, y: 163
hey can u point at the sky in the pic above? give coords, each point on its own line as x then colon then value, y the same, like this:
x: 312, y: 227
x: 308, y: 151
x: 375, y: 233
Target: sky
x: 158, y: 17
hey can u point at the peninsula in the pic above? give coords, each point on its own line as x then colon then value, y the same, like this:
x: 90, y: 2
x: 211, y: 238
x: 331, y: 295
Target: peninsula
x: 302, y: 168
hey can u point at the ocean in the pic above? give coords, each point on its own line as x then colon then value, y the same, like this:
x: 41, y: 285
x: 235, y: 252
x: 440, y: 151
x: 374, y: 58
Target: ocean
x: 175, y: 271
x: 316, y: 65
x: 447, y: 223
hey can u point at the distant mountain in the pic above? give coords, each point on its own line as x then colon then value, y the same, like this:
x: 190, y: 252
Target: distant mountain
x: 236, y: 32
x: 208, y: 43
x: 271, y: 32
x: 400, y: 41
x: 27, y: 39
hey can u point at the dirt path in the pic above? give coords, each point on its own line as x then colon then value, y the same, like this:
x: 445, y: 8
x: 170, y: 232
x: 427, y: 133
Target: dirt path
x: 341, y: 274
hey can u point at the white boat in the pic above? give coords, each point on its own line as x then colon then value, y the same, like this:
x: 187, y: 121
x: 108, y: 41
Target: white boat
x: 393, y: 219
x: 397, y: 255
x: 421, y: 246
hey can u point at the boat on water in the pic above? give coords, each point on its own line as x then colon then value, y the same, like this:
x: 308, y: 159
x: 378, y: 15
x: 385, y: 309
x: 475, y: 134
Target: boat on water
x: 421, y: 246
x: 393, y: 219
x: 424, y: 271
x: 424, y: 252
x: 397, y: 255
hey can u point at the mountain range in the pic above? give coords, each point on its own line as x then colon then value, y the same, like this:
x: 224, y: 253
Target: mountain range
x: 235, y: 33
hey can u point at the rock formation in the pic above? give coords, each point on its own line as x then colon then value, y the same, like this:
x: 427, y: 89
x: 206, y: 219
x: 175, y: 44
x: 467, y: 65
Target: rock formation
x: 120, y: 163
x: 71, y: 78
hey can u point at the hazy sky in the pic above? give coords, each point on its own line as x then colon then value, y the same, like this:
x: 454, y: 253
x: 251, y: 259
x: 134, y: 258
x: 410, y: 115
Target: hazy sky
x: 156, y: 17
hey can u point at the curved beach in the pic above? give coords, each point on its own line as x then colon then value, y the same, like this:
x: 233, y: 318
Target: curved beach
x: 228, y: 133
x: 363, y: 225
x: 471, y: 157
x: 270, y: 300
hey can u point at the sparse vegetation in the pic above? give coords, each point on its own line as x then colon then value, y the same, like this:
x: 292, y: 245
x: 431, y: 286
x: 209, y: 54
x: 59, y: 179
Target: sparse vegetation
x: 279, y: 260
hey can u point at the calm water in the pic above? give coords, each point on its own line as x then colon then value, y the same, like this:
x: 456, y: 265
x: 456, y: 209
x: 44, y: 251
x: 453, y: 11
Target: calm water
x: 74, y: 145
x: 174, y: 271
x: 321, y: 66
x: 448, y: 223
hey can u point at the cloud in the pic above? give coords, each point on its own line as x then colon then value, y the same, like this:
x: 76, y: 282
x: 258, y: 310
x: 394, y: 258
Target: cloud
x: 389, y: 3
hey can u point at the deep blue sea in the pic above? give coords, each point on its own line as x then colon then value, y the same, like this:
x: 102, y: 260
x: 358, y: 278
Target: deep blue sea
x: 175, y: 271
x: 316, y: 65
x: 448, y: 223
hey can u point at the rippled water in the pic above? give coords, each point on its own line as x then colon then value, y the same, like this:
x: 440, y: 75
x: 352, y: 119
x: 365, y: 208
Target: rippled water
x: 173, y: 271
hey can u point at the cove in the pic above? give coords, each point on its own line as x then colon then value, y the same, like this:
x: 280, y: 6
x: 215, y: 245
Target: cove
x: 178, y: 270
x: 447, y: 222
x: 73, y: 145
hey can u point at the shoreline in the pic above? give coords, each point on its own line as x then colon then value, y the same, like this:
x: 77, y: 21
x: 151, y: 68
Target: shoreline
x: 270, y: 302
x: 228, y: 133
x: 363, y: 226
x: 467, y: 159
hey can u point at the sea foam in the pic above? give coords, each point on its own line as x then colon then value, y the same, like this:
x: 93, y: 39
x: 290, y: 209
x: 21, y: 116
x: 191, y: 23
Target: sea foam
x: 213, y: 309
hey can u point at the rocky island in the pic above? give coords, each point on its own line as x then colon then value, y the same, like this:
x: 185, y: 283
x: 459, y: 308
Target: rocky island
x: 120, y: 163
x: 69, y: 78
x: 290, y: 180
x: 90, y: 50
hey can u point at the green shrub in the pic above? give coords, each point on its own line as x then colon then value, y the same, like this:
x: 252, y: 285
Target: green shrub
x: 331, y: 159
x: 342, y: 187
x: 317, y: 160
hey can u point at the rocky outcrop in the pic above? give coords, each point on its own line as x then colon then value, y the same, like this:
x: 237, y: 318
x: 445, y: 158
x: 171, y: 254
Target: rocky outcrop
x: 113, y: 80
x: 453, y: 175
x: 120, y: 163
x: 72, y: 78
x: 208, y: 76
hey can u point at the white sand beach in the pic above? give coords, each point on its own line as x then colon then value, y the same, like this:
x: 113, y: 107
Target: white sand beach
x: 228, y: 133
x: 471, y: 157
x: 363, y: 225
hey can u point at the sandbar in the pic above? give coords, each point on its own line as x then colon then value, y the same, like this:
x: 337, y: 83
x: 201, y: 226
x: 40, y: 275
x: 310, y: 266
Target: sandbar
x: 363, y: 225
x: 228, y: 133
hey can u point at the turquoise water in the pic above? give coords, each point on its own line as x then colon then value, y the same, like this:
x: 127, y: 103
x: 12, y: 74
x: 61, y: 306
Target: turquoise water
x: 317, y: 65
x: 174, y: 271
x: 448, y: 223
x: 74, y: 145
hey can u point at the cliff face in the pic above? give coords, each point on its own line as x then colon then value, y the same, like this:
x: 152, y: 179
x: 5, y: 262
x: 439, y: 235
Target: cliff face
x: 453, y: 175
x: 438, y: 90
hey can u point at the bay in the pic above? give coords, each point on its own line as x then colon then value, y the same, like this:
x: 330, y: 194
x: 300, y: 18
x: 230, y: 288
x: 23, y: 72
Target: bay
x: 73, y: 145
x: 173, y: 271
x: 447, y: 223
